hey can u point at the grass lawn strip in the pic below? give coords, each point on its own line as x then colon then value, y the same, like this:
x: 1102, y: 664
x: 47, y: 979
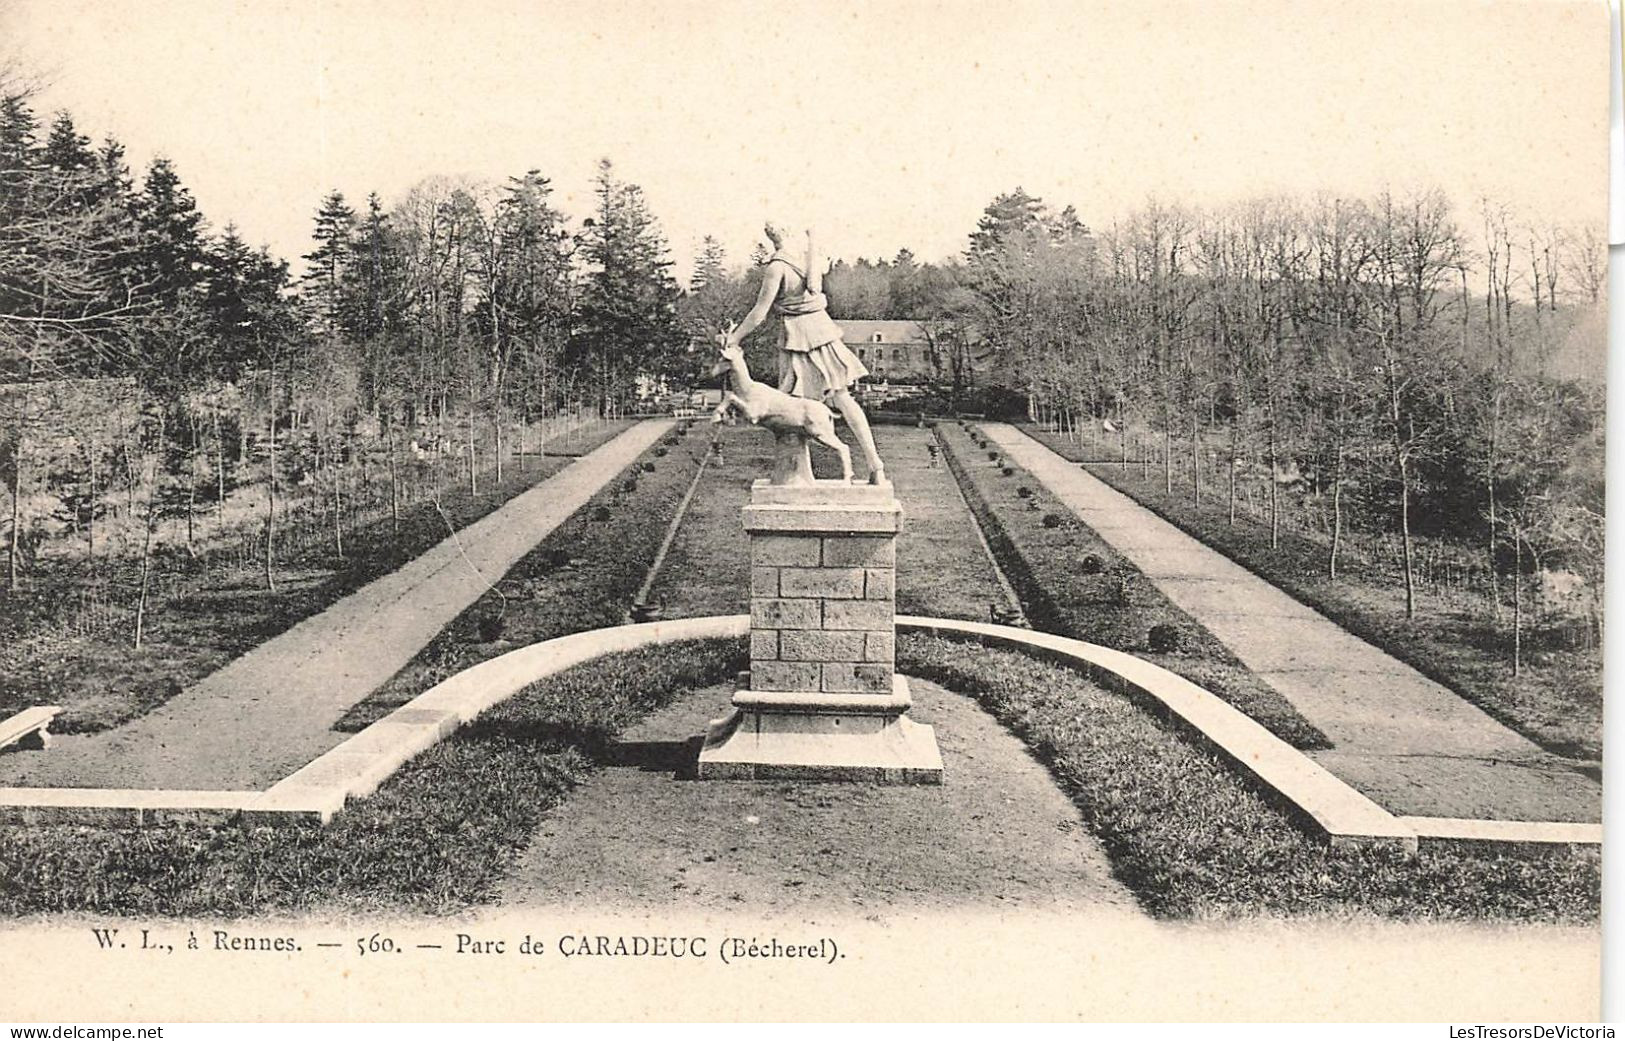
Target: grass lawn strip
x: 1556, y: 702
x: 1192, y: 840
x: 942, y: 569
x: 1072, y: 583
x: 1187, y: 836
x: 707, y: 569
x: 435, y: 838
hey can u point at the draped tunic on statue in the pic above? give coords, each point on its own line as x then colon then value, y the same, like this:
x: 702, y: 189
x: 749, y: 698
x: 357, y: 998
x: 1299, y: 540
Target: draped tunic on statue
x: 814, y: 362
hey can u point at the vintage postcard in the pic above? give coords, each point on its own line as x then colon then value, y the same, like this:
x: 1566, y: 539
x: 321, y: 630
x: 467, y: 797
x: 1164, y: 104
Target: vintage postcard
x: 834, y: 511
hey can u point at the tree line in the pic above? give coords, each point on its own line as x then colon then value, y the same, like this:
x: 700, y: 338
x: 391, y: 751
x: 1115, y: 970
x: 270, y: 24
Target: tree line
x: 1373, y: 370
x: 167, y: 386
x: 1372, y: 367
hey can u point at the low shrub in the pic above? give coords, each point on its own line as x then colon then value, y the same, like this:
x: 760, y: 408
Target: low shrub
x: 1164, y: 638
x: 491, y: 627
x: 1040, y: 557
x: 1091, y: 564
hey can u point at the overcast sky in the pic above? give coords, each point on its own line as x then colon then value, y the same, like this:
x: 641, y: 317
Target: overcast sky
x: 880, y: 124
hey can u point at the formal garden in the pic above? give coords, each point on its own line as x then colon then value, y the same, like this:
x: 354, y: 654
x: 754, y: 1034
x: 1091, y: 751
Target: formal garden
x: 1184, y: 833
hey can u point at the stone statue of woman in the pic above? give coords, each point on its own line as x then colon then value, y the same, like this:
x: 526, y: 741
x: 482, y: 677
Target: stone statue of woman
x: 813, y: 360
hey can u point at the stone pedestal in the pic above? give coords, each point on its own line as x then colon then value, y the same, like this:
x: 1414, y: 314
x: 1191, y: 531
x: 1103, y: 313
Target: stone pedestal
x: 822, y: 700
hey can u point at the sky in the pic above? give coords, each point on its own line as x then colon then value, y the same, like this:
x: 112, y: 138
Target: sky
x: 880, y: 125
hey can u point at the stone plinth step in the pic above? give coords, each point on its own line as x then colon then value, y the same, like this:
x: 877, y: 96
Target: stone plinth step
x: 822, y: 493
x: 795, y: 735
x: 827, y: 519
x: 893, y: 704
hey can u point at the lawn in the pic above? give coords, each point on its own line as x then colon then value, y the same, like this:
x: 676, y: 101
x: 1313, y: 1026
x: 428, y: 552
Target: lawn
x: 1184, y: 833
x: 1194, y: 841
x: 435, y: 839
x: 941, y: 568
x: 1555, y: 702
x: 1188, y: 837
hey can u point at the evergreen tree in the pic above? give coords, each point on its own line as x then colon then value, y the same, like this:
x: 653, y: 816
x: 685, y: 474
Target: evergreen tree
x: 329, y: 265
x: 1007, y: 218
x: 18, y: 127
x: 66, y: 150
x: 536, y: 285
x: 708, y: 265
x: 113, y: 173
x: 227, y: 301
x: 715, y: 299
x: 171, y: 254
x: 629, y: 325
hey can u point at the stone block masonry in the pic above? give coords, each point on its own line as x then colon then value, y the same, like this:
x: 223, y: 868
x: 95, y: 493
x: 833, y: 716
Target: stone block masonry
x: 823, y: 597
x: 822, y: 700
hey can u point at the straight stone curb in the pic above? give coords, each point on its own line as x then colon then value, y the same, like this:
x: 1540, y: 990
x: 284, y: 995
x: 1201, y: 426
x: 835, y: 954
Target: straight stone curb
x: 1317, y: 800
x: 1441, y: 831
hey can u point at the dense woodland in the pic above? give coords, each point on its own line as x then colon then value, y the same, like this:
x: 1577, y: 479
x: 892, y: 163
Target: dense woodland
x: 1412, y: 383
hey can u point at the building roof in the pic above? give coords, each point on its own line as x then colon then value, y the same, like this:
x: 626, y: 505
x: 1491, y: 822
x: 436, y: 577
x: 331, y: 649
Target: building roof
x: 855, y: 331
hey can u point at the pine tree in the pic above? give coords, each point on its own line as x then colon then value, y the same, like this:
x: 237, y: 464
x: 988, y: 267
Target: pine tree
x: 536, y: 286
x: 18, y: 128
x: 715, y: 299
x: 329, y: 265
x: 227, y: 302
x: 1006, y: 217
x: 708, y: 265
x: 629, y: 325
x: 171, y: 255
x: 66, y: 150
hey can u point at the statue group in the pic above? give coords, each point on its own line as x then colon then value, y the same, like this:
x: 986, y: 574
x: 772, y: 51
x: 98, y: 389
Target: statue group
x: 816, y: 369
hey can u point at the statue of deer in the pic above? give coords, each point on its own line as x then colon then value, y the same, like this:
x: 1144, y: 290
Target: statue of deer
x: 794, y: 421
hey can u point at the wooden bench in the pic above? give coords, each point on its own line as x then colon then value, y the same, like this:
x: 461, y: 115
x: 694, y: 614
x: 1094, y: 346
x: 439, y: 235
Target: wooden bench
x: 29, y: 728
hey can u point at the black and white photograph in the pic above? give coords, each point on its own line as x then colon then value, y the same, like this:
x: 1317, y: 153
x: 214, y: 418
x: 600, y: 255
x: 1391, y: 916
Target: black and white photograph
x: 837, y: 511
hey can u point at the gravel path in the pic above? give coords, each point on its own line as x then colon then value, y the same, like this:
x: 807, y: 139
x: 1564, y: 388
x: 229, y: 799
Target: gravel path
x: 997, y: 834
x: 942, y: 567
x: 270, y: 711
x: 1409, y: 743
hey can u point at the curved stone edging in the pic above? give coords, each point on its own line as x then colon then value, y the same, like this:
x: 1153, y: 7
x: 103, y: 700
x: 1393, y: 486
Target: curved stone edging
x: 358, y: 765
x: 355, y: 768
x: 1327, y: 806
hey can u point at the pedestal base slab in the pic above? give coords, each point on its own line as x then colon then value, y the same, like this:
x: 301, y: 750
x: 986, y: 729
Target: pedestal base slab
x: 774, y: 736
